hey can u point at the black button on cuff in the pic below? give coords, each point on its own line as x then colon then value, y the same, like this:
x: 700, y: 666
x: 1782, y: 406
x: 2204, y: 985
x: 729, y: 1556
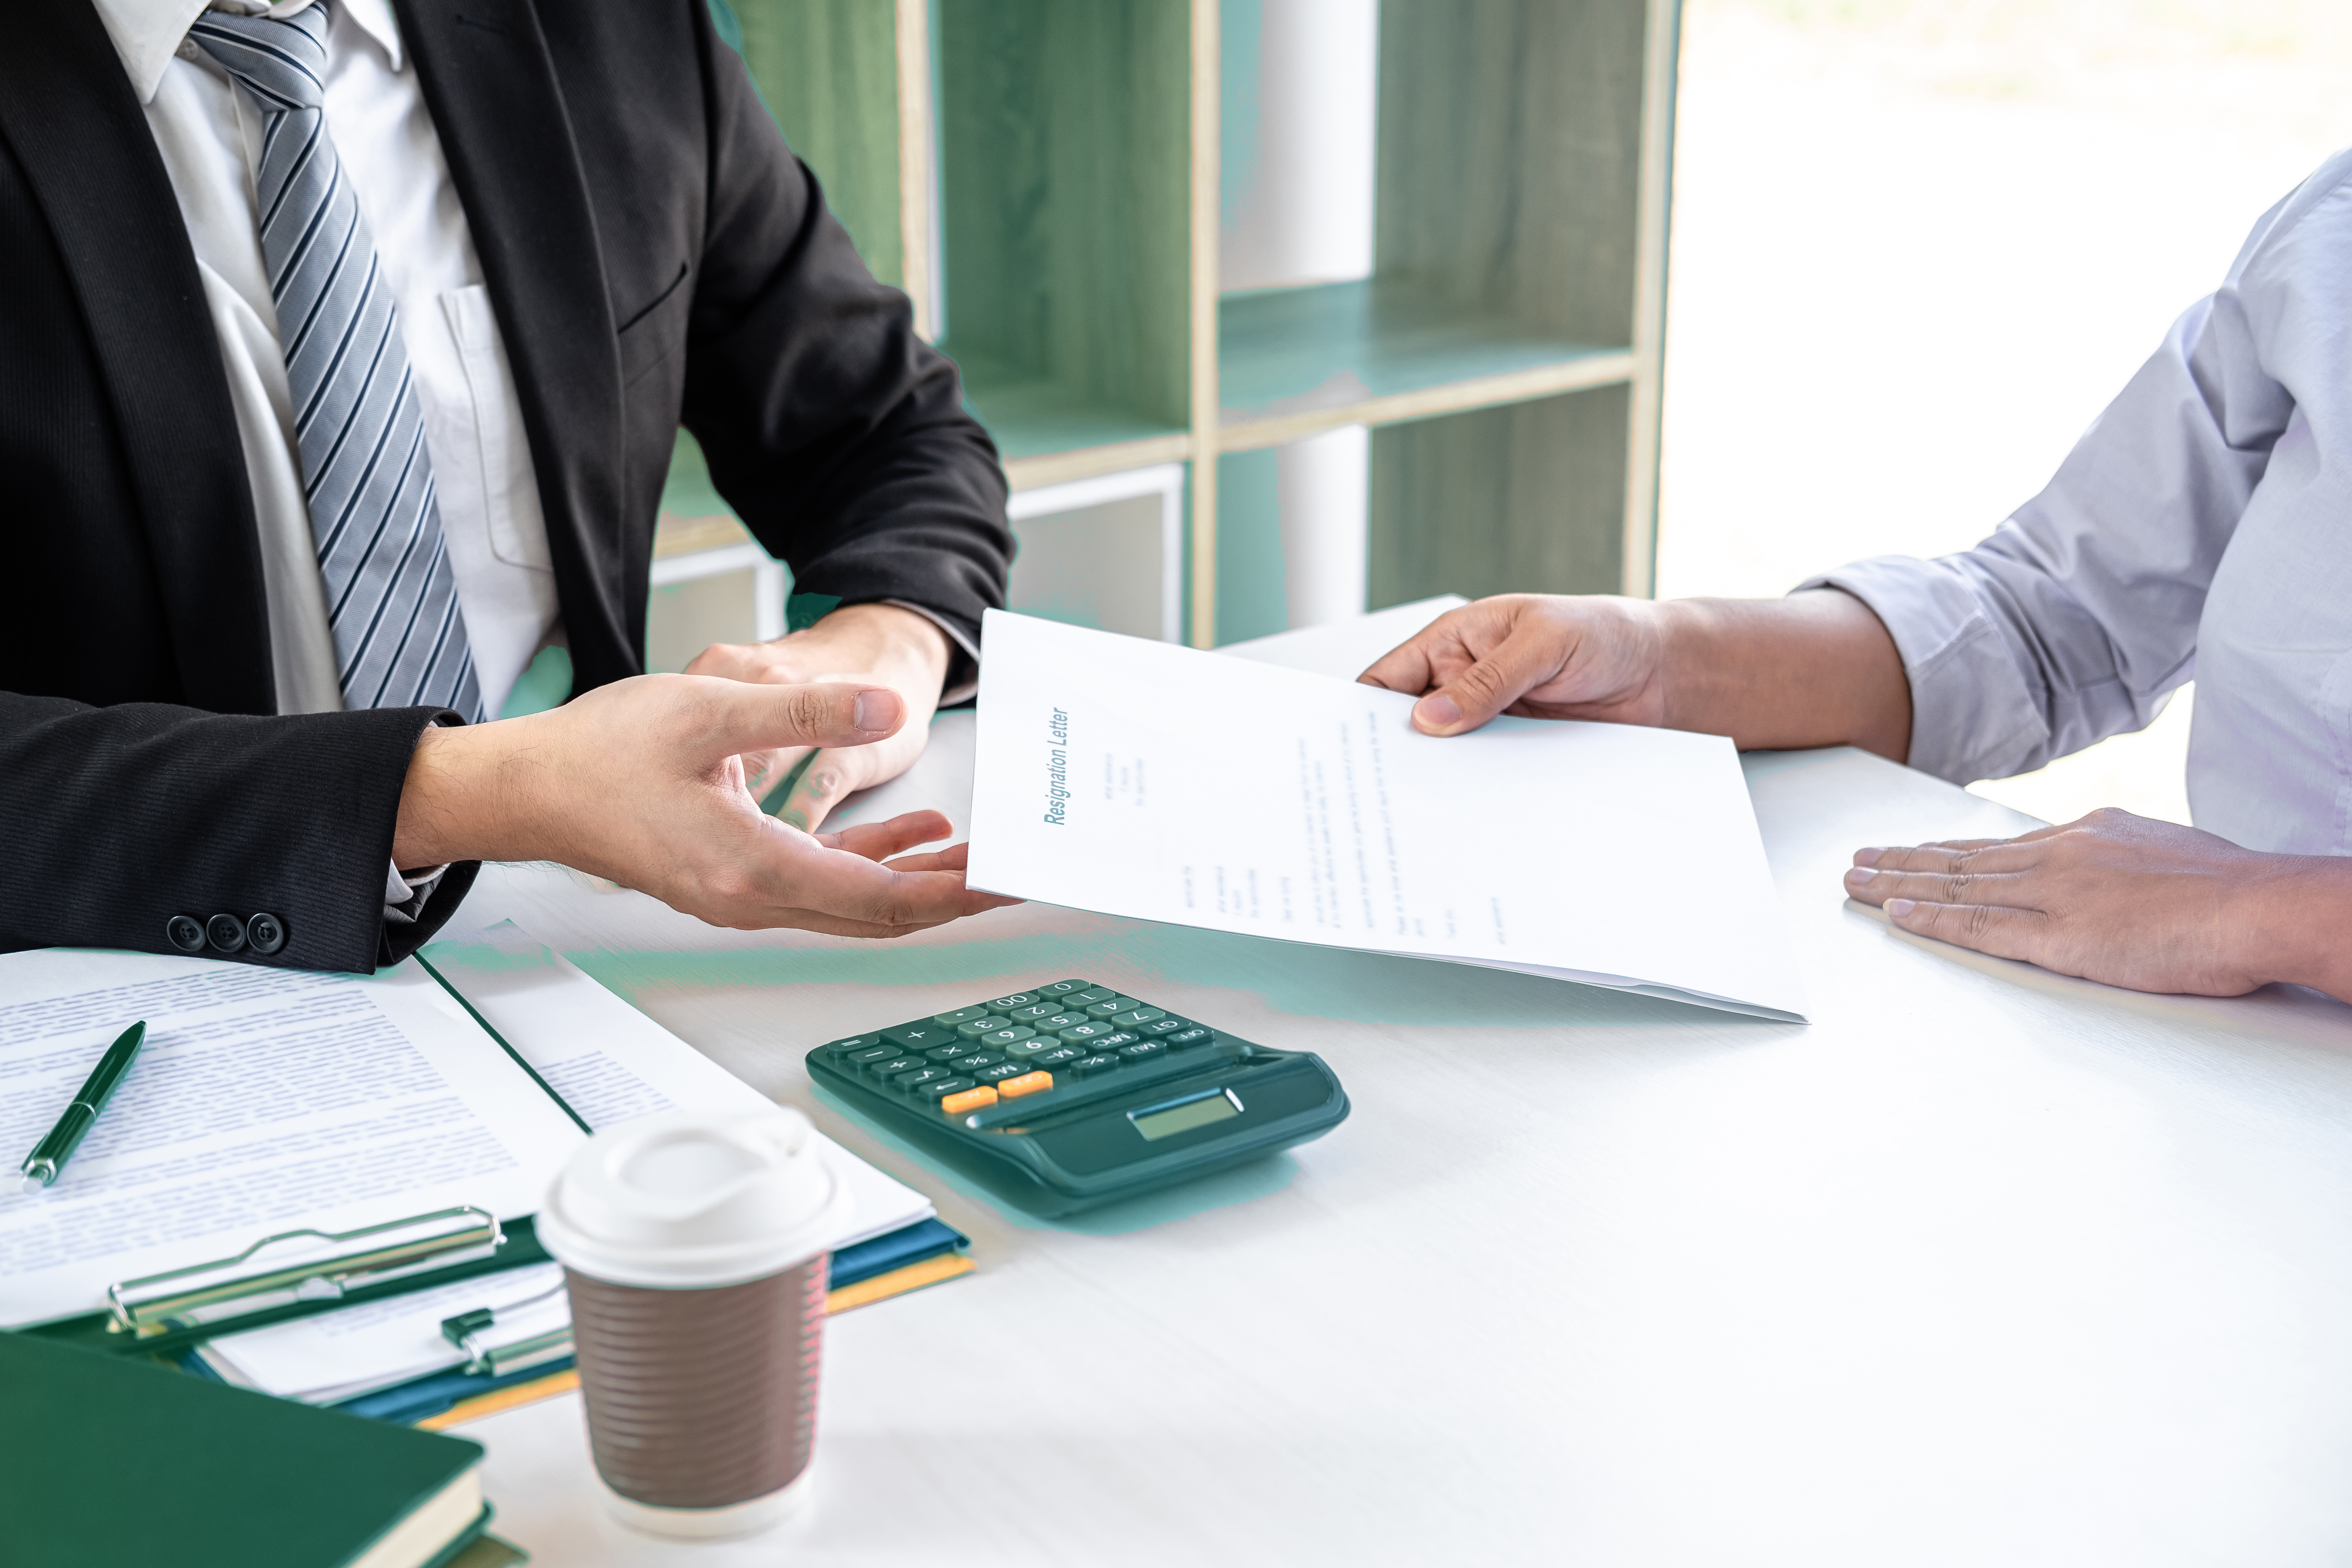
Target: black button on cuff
x: 226, y: 933
x: 267, y: 932
x: 186, y: 932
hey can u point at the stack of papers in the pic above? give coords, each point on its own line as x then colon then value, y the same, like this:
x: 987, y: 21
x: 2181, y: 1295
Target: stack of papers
x: 269, y: 1101
x: 1138, y: 779
x: 265, y: 1100
x: 341, y: 1355
x: 610, y: 1063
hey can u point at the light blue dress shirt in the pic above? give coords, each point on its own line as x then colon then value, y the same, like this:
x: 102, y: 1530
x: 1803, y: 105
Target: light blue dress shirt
x: 2202, y: 528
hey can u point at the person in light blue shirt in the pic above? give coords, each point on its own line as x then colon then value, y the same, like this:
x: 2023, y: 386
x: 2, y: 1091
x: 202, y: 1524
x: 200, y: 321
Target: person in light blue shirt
x: 2200, y: 529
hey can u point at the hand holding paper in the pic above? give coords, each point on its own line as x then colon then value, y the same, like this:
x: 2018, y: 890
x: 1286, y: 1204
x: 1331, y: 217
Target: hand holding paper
x: 1138, y: 779
x: 1815, y: 668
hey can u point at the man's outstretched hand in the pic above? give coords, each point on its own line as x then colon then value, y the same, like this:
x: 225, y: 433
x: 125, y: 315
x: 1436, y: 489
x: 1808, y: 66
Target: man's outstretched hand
x: 642, y: 782
x: 2151, y: 906
x: 880, y: 645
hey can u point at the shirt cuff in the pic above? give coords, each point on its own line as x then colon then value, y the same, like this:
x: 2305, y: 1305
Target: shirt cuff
x: 1972, y: 715
x: 963, y: 655
x: 406, y: 892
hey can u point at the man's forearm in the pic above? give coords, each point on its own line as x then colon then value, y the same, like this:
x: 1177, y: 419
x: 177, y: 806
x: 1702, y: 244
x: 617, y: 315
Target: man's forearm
x: 1813, y: 670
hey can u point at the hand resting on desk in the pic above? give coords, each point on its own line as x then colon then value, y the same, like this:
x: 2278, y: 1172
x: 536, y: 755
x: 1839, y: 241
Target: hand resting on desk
x: 642, y: 781
x: 2116, y: 897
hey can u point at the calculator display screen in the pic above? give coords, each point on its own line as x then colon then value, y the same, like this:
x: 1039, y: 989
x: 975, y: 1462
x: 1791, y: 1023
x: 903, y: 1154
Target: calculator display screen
x: 1185, y: 1117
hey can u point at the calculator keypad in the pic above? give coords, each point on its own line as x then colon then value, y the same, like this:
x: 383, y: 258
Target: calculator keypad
x: 969, y: 1057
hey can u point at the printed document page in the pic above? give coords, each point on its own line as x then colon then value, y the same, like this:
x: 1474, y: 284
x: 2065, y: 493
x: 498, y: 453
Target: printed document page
x: 264, y: 1100
x: 611, y: 1063
x: 1159, y: 783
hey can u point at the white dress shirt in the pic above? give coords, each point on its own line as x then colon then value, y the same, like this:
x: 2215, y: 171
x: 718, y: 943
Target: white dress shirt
x: 209, y: 133
x: 2202, y: 528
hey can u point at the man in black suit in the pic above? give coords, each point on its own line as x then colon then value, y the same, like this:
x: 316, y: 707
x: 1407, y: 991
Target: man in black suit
x: 205, y: 743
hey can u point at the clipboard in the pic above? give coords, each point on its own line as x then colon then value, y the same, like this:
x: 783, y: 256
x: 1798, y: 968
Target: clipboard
x: 296, y: 1274
x: 299, y: 1272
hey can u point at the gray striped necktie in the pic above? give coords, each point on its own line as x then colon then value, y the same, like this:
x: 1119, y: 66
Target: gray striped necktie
x: 391, y: 599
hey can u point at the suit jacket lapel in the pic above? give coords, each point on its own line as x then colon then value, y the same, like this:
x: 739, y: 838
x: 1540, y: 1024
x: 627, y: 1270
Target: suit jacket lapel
x: 489, y: 81
x: 83, y: 141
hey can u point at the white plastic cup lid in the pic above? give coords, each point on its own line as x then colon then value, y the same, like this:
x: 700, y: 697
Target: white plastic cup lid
x: 683, y: 1199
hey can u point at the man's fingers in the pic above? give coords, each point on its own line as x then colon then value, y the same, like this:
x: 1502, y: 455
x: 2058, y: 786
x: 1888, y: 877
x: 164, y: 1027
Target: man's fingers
x: 1448, y: 643
x: 1873, y: 855
x: 1519, y: 663
x: 1865, y: 885
x: 1405, y: 668
x: 797, y: 880
x: 954, y: 857
x: 880, y: 840
x: 1982, y: 927
x: 763, y: 771
x: 2015, y: 855
x: 830, y: 778
x: 745, y: 717
x: 934, y: 898
x: 730, y: 661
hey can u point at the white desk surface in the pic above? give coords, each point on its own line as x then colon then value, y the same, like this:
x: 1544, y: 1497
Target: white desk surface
x: 1982, y: 1267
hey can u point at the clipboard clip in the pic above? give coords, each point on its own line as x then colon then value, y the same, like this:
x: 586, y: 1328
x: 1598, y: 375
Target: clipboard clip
x: 469, y: 1332
x: 299, y: 1266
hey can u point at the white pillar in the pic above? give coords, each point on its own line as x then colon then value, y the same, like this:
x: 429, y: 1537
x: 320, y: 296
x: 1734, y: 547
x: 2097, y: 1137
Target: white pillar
x: 1304, y: 213
x: 1324, y: 483
x: 1301, y: 214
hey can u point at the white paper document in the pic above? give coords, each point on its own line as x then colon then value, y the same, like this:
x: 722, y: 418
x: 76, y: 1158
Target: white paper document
x: 611, y: 1063
x: 357, y: 1349
x: 1159, y: 783
x: 264, y: 1100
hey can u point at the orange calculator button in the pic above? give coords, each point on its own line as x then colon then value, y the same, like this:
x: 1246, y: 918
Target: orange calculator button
x: 972, y: 1098
x: 1027, y: 1083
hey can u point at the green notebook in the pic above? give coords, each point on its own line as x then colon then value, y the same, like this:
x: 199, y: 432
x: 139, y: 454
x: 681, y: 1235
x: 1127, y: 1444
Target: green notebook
x: 108, y: 1461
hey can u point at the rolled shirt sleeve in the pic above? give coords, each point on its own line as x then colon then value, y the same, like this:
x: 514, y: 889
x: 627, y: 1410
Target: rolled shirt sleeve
x: 2079, y: 616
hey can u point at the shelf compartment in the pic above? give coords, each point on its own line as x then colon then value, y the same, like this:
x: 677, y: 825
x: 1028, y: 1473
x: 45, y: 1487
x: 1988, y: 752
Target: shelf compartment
x: 1064, y: 163
x: 828, y: 71
x: 1291, y: 361
x: 1050, y: 430
x: 1527, y: 498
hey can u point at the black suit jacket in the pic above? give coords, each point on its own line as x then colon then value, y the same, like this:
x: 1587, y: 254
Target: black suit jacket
x: 654, y: 255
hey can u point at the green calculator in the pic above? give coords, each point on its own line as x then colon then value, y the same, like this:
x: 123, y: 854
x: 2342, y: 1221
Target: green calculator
x: 1074, y: 1094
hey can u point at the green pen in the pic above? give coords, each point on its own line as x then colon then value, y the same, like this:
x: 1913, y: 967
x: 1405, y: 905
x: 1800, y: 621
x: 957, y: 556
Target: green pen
x: 49, y: 1155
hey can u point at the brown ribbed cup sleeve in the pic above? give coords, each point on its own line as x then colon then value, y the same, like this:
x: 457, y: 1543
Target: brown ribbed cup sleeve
x: 701, y: 1398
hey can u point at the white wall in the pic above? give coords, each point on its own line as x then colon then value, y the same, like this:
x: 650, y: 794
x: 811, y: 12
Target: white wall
x: 1299, y: 210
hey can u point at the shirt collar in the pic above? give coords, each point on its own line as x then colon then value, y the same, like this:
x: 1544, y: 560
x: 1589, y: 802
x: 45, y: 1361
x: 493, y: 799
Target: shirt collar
x: 148, y: 32
x: 374, y: 18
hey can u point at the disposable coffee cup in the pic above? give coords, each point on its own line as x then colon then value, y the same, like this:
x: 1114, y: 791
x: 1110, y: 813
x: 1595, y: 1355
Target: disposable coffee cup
x: 694, y: 1246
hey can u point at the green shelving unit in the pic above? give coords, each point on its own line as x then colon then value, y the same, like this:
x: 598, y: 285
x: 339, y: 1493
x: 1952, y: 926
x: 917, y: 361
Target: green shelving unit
x: 1042, y: 176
